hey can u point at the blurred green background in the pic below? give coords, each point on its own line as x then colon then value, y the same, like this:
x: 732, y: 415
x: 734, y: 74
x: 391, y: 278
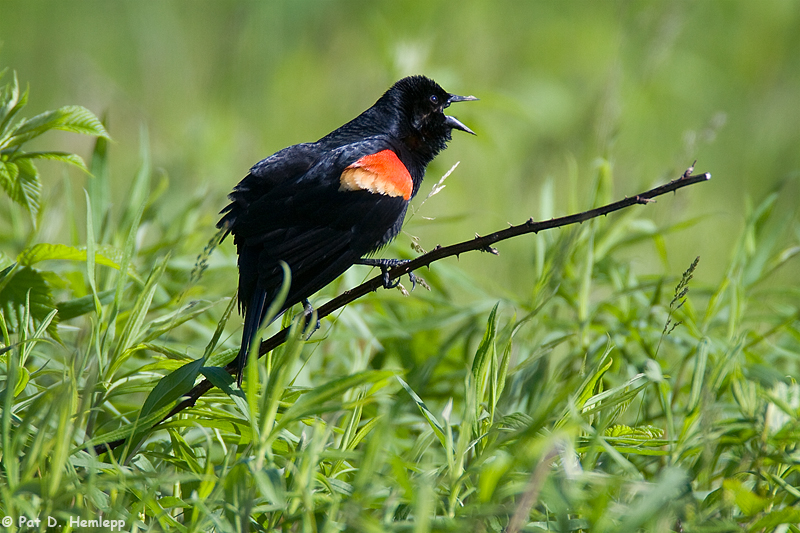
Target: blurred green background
x: 649, y: 86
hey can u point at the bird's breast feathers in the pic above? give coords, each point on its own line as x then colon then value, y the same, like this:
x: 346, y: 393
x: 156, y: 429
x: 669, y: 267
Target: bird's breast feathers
x: 378, y: 173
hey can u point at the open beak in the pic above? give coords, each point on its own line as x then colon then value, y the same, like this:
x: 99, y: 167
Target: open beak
x: 456, y: 124
x: 453, y: 122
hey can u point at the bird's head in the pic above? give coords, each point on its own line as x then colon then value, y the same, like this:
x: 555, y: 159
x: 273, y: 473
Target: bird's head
x: 420, y: 103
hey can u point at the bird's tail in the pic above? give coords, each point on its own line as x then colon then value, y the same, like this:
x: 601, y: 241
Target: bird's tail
x: 252, y: 321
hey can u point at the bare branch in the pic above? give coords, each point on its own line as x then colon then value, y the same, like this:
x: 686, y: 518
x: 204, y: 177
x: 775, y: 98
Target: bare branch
x: 440, y: 252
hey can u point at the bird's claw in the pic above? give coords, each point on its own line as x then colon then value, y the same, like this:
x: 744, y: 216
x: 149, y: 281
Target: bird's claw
x: 386, y: 265
x: 413, y: 279
x: 388, y: 283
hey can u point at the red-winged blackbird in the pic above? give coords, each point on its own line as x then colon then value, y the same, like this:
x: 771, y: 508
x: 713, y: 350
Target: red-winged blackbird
x: 322, y: 206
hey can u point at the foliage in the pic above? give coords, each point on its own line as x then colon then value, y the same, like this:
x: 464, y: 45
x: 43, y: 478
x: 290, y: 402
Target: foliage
x: 19, y: 177
x: 600, y: 400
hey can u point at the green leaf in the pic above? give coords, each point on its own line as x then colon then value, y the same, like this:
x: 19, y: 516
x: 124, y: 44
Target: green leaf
x: 429, y: 416
x: 44, y: 252
x: 24, y: 376
x: 639, y: 432
x: 592, y: 381
x: 768, y: 522
x: 127, y: 430
x: 224, y: 382
x: 39, y: 333
x: 73, y: 118
x: 170, y: 321
x: 9, y: 172
x: 64, y: 157
x: 171, y: 387
x: 9, y: 95
x: 20, y: 180
x: 14, y: 298
x: 311, y: 402
x: 219, y: 378
x: 107, y: 256
x: 7, y: 274
x: 136, y: 318
x: 491, y: 475
x: 83, y: 305
x: 749, y: 502
x: 698, y: 376
x: 220, y: 327
x: 10, y: 104
x: 272, y: 485
x: 127, y: 254
x: 484, y: 355
x: 222, y: 358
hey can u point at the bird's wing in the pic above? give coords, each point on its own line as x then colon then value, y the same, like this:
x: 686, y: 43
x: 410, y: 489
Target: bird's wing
x: 286, y: 165
x: 347, y: 204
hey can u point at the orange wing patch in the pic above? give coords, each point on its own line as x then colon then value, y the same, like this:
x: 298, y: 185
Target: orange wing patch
x: 380, y: 173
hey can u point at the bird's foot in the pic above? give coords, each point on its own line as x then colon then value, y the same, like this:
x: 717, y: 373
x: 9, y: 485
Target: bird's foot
x: 385, y: 265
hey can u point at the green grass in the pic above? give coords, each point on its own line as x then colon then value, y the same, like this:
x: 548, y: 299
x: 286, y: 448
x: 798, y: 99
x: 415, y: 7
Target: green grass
x: 601, y: 399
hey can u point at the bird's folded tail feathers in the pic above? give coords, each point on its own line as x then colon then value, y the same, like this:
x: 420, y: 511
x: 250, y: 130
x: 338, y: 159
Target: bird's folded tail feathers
x: 252, y: 321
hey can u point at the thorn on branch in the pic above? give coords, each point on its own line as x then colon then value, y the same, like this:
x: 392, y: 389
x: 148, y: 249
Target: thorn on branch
x: 487, y: 248
x: 689, y: 170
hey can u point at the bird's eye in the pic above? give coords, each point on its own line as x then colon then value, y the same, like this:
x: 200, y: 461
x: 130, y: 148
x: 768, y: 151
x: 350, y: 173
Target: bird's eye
x: 434, y: 99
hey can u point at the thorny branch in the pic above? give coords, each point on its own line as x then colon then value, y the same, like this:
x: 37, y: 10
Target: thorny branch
x: 479, y: 243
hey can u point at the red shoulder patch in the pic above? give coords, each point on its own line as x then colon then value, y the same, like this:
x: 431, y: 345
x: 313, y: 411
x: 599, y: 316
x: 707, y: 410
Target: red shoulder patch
x: 379, y: 173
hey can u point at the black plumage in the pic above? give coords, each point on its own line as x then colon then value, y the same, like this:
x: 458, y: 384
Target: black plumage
x: 310, y: 206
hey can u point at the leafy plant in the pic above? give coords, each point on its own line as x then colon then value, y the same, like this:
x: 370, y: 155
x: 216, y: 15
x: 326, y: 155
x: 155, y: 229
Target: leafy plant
x: 19, y: 176
x: 599, y: 400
